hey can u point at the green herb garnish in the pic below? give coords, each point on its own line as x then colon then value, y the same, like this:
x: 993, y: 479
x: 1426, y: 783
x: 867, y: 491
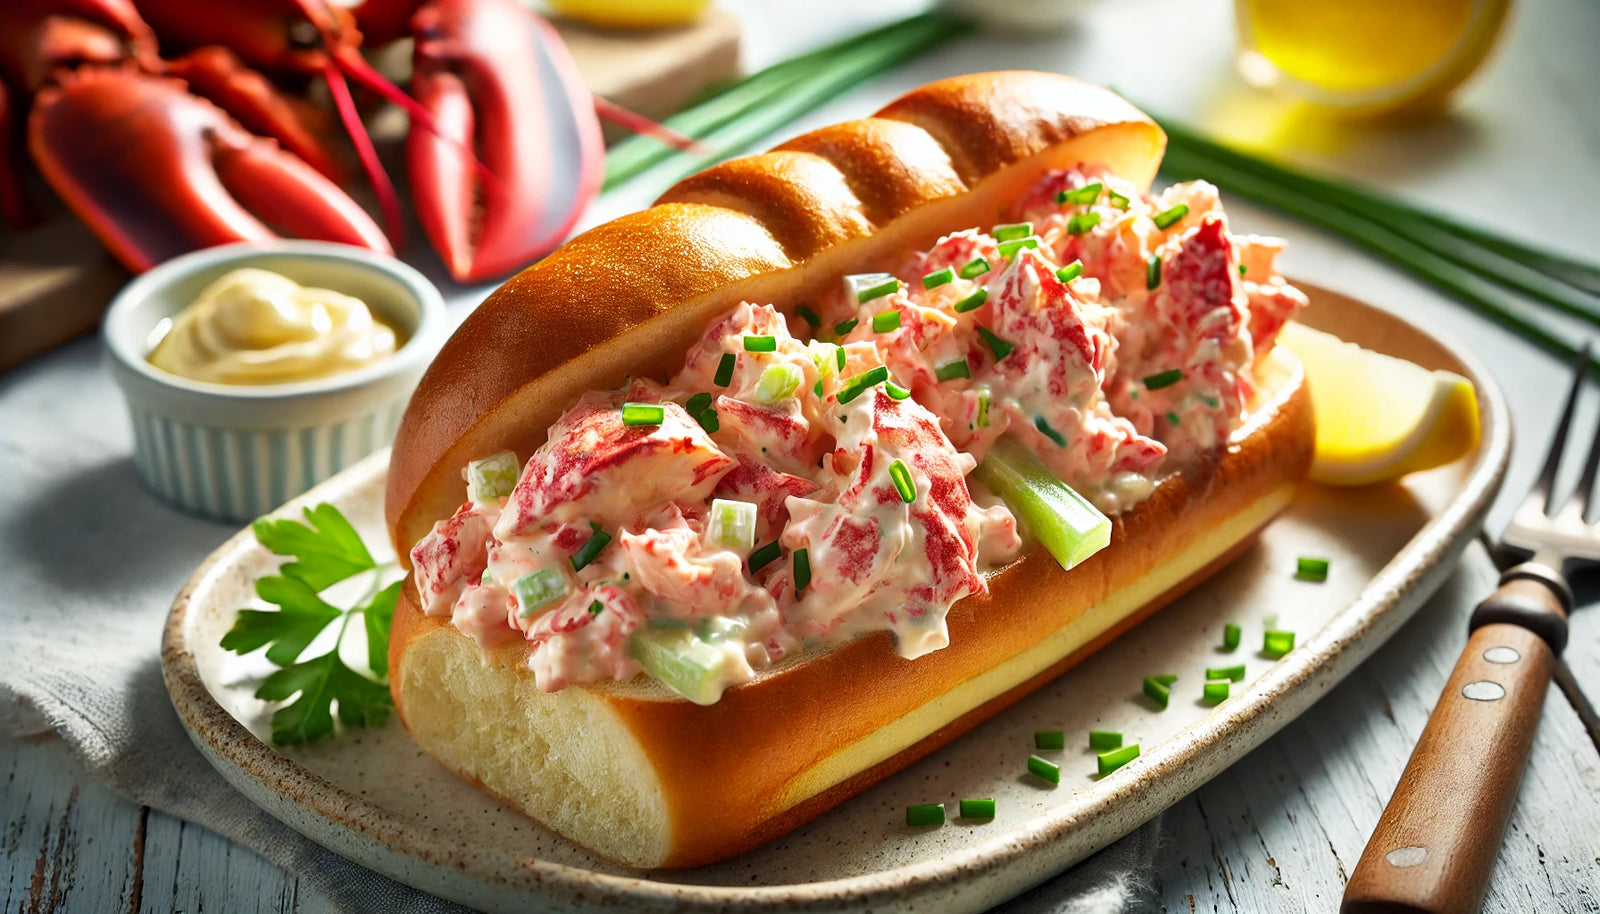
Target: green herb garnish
x: 900, y: 474
x: 1152, y: 272
x: 1214, y: 692
x: 1011, y: 248
x: 1168, y: 218
x: 998, y: 346
x: 1308, y: 568
x: 1116, y: 758
x: 971, y: 302
x: 1070, y: 272
x: 938, y: 278
x: 845, y: 326
x: 1101, y: 740
x: 1081, y: 223
x: 1158, y: 691
x: 802, y: 569
x: 974, y: 268
x: 861, y: 383
x: 1049, y: 739
x: 755, y: 343
x: 978, y: 808
x: 1012, y: 231
x: 1044, y: 768
x: 949, y: 371
x: 1163, y: 379
x: 1081, y: 196
x: 591, y: 548
x: 1230, y: 673
x: 884, y: 321
x: 811, y: 316
x: 1276, y: 642
x: 724, y: 374
x: 925, y: 814
x: 636, y: 414
x: 1231, y: 634
x: 762, y: 557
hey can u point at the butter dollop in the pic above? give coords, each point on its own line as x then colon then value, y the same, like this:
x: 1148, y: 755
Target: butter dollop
x: 254, y: 326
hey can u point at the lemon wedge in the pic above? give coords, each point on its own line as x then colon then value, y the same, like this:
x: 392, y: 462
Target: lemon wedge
x: 1379, y: 417
x: 631, y: 14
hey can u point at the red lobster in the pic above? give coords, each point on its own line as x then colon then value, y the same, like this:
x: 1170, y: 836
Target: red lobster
x: 159, y: 155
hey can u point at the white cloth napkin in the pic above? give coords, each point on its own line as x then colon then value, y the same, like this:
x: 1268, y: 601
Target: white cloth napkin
x: 90, y: 565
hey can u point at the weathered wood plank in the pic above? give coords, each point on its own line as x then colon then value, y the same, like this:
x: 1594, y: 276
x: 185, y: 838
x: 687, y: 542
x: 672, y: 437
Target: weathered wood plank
x: 188, y: 868
x: 1281, y: 830
x: 67, y: 844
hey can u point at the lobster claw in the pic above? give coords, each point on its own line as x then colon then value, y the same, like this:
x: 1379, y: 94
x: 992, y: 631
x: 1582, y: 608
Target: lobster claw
x: 155, y: 171
x: 498, y: 81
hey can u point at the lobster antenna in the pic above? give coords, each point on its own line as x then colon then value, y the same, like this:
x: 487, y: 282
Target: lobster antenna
x: 638, y: 123
x: 382, y: 185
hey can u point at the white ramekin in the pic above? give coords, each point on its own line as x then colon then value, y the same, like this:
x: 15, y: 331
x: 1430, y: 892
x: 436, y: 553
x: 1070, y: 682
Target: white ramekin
x: 235, y: 452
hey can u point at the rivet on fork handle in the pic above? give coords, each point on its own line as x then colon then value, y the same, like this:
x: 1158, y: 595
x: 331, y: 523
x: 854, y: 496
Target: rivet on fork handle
x: 1437, y: 841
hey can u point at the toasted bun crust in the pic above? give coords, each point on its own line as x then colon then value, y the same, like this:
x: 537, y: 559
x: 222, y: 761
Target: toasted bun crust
x: 640, y: 775
x: 630, y: 296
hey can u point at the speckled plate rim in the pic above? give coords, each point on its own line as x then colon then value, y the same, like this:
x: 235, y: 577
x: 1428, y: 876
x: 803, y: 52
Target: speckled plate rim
x: 968, y: 879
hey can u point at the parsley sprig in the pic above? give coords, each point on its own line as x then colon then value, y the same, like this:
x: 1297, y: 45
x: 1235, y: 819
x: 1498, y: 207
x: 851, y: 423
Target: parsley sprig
x: 326, y: 550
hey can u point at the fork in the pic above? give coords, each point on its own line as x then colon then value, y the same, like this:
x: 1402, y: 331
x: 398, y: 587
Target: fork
x: 1437, y: 840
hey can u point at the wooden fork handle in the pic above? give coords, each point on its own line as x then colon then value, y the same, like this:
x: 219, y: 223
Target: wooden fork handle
x: 1434, y: 846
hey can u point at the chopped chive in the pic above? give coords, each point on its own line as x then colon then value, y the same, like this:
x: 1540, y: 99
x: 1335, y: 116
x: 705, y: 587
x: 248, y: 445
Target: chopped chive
x: 938, y: 278
x: 884, y: 321
x: 998, y: 346
x: 1049, y: 739
x: 591, y: 549
x: 1120, y: 201
x: 974, y: 268
x: 802, y: 569
x: 1276, y: 642
x: 1215, y: 692
x: 1308, y: 568
x: 634, y: 414
x: 596, y: 607
x: 903, y: 483
x: 811, y: 316
x: 978, y: 808
x: 983, y: 409
x: 887, y: 287
x: 1044, y: 768
x: 1101, y: 740
x: 1230, y: 636
x: 971, y: 302
x: 1211, y: 401
x: 895, y: 391
x: 844, y: 327
x: 1070, y: 272
x: 753, y: 343
x: 1012, y: 231
x: 1152, y: 272
x: 762, y: 557
x: 1081, y: 196
x: 859, y: 384
x: 1173, y: 418
x: 1081, y: 223
x: 1158, y: 692
x: 1230, y: 673
x: 1116, y: 758
x: 725, y: 369
x: 838, y: 357
x: 1241, y: 269
x: 1165, y: 679
x: 925, y: 814
x: 1010, y: 248
x: 817, y: 387
x: 1168, y: 218
x: 697, y: 404
x: 1163, y: 379
x: 1045, y: 429
x: 949, y: 371
x: 708, y: 420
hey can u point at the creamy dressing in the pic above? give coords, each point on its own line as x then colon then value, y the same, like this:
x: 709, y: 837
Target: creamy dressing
x: 254, y: 326
x: 847, y: 456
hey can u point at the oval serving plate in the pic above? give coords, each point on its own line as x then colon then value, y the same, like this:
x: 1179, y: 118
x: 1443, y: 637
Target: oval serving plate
x: 375, y: 798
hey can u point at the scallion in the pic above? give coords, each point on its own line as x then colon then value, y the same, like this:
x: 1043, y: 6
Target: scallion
x: 885, y: 287
x: 1108, y: 762
x: 838, y: 357
x: 1231, y: 673
x: 756, y: 343
x: 802, y: 569
x: 1152, y: 272
x: 697, y: 404
x: 708, y: 420
x: 1044, y: 428
x: 1231, y: 635
x: 1049, y: 739
x: 1214, y: 692
x: 1165, y: 679
x: 1012, y: 231
x: 845, y: 326
x: 895, y: 391
x: 811, y: 316
x: 724, y: 375
x: 1082, y: 223
x: 971, y: 302
x: 1163, y: 379
x: 974, y: 268
x: 949, y: 371
x: 634, y: 414
x: 1011, y: 248
x: 900, y: 474
x: 1172, y: 419
x: 1169, y: 217
x: 596, y: 608
x: 1070, y: 272
x: 861, y: 383
x: 938, y: 278
x: 1044, y: 768
x: 978, y: 808
x: 1158, y: 692
x: 998, y: 346
x: 591, y: 549
x: 1101, y: 740
x: 762, y: 557
x: 925, y: 814
x: 884, y: 321
x: 1308, y: 568
x: 1081, y: 196
x: 1276, y: 642
x: 1120, y: 201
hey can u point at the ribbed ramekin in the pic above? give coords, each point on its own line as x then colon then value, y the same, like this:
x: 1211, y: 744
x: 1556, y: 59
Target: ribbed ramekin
x: 235, y: 452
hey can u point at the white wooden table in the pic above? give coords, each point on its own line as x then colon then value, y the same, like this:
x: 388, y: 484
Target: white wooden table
x: 1281, y: 830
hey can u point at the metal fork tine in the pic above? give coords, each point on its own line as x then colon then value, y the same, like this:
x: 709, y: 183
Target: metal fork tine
x: 1552, y: 461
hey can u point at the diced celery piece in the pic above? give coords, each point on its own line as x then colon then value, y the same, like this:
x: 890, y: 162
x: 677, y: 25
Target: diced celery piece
x: 733, y: 524
x: 538, y: 589
x: 684, y: 663
x: 983, y: 408
x: 778, y: 383
x: 492, y: 477
x: 1065, y: 522
x: 825, y: 356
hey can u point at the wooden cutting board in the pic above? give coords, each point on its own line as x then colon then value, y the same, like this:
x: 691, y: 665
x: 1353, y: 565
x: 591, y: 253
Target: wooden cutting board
x: 55, y: 280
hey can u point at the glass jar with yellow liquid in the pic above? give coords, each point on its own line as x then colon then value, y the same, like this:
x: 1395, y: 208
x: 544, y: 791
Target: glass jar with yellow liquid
x: 1367, y: 56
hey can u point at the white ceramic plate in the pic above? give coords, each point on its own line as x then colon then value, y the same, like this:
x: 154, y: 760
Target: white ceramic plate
x: 374, y: 797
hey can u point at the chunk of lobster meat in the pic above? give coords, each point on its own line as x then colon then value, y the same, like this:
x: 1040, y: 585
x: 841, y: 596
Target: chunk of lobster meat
x: 683, y: 577
x: 776, y: 434
x: 595, y: 468
x: 453, y: 554
x: 584, y: 639
x: 1273, y: 301
x: 154, y: 171
x: 726, y: 337
x: 499, y: 85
